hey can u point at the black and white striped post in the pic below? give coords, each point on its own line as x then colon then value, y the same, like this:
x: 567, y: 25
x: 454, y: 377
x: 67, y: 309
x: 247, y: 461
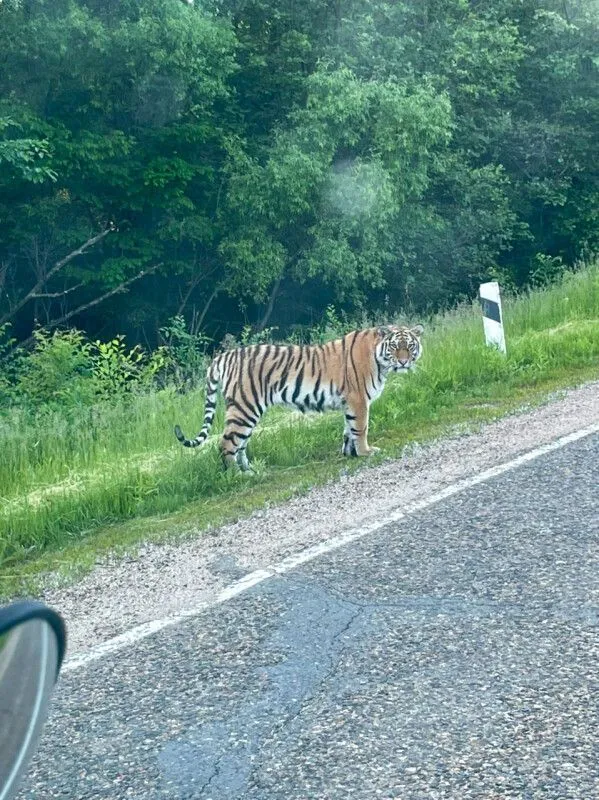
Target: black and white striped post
x: 492, y: 316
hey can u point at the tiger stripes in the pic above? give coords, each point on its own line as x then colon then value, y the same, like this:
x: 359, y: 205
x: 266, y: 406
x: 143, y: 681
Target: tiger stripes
x: 348, y: 374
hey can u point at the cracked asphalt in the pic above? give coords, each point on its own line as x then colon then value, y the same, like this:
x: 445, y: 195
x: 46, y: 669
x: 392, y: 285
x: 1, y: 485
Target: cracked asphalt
x: 454, y: 655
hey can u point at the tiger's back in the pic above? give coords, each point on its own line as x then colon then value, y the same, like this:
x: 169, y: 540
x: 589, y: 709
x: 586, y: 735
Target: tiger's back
x: 347, y: 373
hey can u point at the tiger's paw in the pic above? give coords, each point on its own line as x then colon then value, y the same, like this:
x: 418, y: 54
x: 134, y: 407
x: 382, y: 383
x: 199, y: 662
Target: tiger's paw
x: 349, y: 447
x: 372, y: 451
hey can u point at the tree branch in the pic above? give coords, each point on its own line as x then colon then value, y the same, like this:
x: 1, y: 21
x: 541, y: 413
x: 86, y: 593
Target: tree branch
x: 58, y: 266
x: 4, y: 267
x: 59, y: 320
x: 57, y: 294
x: 192, y: 285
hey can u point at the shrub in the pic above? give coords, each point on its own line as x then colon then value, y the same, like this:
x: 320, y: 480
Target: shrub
x: 57, y: 372
x: 185, y: 354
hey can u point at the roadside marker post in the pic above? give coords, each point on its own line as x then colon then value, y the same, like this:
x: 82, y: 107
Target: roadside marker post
x: 492, y: 315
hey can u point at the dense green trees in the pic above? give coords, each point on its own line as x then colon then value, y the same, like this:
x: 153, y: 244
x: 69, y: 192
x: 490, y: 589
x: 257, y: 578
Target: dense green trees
x: 256, y: 161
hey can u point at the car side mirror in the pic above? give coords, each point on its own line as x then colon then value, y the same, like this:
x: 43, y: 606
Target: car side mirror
x: 32, y: 647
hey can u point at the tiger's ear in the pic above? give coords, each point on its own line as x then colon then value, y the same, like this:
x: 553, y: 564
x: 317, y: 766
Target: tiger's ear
x: 417, y: 330
x: 383, y: 331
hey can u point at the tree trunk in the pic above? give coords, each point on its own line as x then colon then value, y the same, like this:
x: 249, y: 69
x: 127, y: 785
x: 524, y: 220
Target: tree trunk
x: 271, y: 304
x: 198, y: 323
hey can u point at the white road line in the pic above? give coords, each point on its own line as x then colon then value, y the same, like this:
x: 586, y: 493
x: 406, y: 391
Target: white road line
x: 146, y: 629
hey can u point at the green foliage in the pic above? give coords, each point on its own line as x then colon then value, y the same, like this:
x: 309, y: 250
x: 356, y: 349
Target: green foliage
x: 185, y: 354
x: 331, y: 327
x: 546, y: 269
x: 58, y: 371
x: 26, y: 158
x: 249, y: 336
x: 8, y: 365
x: 270, y: 158
x: 117, y: 371
x: 65, y: 370
x: 129, y: 99
x: 334, y: 182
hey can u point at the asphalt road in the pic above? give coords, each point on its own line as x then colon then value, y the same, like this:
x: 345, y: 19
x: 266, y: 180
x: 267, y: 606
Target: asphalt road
x: 454, y: 655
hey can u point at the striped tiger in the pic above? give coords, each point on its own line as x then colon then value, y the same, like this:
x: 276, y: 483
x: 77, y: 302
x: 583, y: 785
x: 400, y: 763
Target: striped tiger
x: 347, y: 374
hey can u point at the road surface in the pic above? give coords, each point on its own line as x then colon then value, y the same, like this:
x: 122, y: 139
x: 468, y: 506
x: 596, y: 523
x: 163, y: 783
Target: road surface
x: 452, y: 655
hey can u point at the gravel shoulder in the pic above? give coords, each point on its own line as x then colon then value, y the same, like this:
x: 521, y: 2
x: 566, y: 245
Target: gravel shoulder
x: 166, y: 579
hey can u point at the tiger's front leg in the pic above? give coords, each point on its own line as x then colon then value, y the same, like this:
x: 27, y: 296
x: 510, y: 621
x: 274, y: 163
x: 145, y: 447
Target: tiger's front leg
x: 356, y: 421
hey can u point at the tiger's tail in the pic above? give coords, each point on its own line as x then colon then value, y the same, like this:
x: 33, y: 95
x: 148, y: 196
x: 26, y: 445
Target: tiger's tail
x: 212, y: 381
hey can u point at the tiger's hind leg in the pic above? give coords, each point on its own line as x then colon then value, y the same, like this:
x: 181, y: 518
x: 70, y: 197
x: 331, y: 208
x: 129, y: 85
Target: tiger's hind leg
x: 242, y: 459
x: 235, y: 439
x: 349, y: 445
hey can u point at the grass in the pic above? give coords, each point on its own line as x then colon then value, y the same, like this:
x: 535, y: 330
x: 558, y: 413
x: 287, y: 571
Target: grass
x: 75, y: 486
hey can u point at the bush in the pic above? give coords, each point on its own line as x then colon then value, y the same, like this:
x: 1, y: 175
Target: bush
x: 8, y: 366
x: 57, y: 372
x: 65, y: 370
x: 185, y: 356
x: 117, y: 371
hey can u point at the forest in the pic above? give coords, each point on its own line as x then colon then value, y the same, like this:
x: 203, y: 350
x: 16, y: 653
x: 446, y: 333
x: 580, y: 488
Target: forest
x: 231, y: 165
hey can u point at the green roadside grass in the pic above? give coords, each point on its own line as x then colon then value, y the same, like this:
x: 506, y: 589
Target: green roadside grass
x: 75, y: 488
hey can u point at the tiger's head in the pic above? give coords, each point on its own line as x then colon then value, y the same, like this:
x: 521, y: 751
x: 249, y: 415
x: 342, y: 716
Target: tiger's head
x: 399, y: 347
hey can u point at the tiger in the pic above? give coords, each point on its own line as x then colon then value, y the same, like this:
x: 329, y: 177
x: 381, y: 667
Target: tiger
x: 347, y: 374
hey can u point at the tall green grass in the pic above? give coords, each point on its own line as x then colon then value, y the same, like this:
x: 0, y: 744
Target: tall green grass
x: 65, y: 474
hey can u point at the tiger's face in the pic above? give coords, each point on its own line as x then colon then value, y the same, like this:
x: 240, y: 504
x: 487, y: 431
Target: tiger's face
x: 401, y: 347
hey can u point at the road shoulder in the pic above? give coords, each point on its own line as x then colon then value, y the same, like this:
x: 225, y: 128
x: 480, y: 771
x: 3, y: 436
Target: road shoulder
x: 166, y: 579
